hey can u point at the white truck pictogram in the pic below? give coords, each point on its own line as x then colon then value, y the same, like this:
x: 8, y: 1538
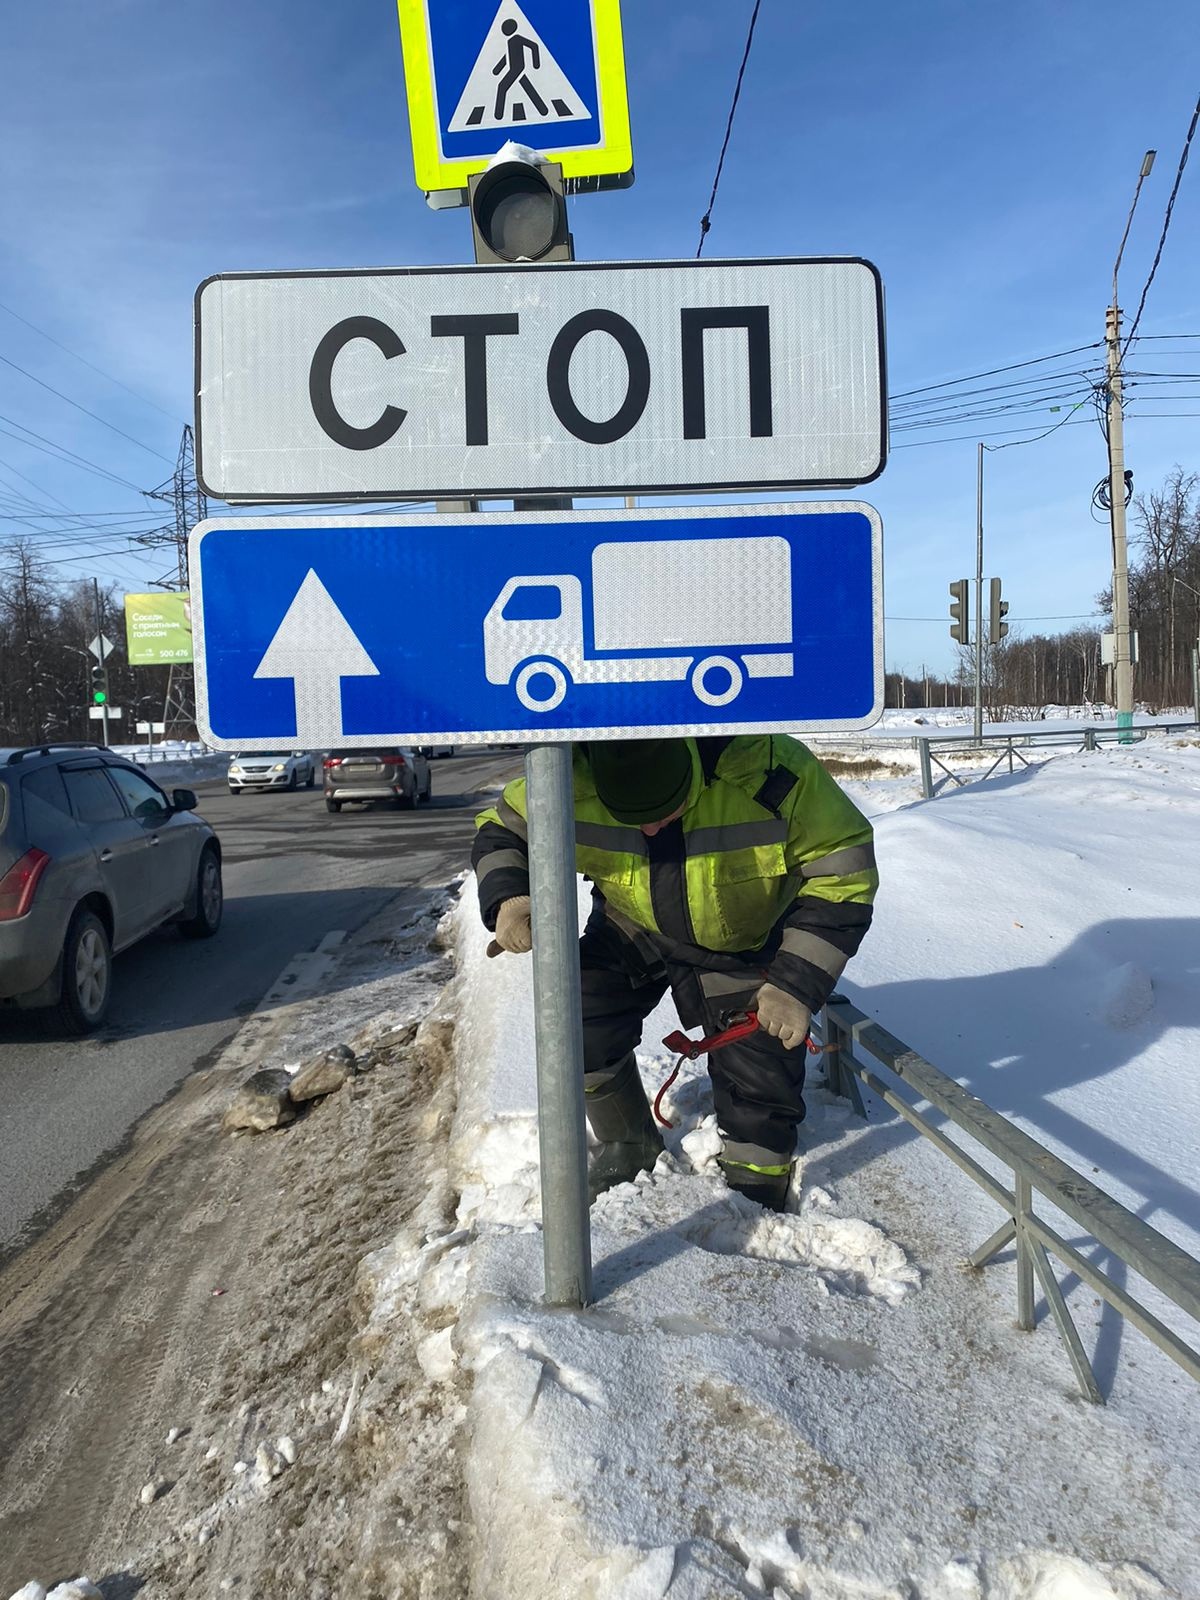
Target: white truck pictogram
x: 689, y: 608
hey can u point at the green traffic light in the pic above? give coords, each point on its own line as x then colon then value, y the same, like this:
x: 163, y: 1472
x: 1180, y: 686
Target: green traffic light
x: 100, y: 697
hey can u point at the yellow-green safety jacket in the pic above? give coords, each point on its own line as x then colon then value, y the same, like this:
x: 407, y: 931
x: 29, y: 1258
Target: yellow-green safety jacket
x: 771, y: 865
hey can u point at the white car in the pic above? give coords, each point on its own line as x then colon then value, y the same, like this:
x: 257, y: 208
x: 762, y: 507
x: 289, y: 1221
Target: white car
x: 277, y: 769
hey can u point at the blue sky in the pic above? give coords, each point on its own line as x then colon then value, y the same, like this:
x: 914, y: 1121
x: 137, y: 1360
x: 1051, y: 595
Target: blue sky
x: 982, y: 155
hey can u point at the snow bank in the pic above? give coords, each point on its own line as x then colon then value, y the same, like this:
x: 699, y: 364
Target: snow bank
x: 819, y: 1404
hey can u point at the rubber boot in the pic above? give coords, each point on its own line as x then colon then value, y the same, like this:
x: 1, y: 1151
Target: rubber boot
x: 621, y: 1120
x: 767, y: 1189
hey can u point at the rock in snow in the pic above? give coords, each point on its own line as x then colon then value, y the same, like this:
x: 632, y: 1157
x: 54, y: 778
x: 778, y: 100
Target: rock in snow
x: 325, y: 1075
x: 262, y: 1102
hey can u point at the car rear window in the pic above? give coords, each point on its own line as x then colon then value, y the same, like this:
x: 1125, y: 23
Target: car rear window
x: 45, y: 805
x: 93, y: 798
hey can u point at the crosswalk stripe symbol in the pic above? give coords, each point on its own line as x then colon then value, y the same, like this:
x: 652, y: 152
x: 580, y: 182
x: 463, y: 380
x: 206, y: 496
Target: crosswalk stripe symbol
x: 515, y: 81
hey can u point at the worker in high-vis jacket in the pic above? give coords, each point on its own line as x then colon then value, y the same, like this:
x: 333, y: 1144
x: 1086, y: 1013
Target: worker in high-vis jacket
x: 733, y: 870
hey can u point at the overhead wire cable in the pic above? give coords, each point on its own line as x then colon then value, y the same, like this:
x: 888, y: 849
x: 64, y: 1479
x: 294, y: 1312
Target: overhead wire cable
x: 993, y: 371
x: 1187, y: 144
x: 706, y: 219
x: 75, y: 356
x: 59, y: 452
x: 50, y: 389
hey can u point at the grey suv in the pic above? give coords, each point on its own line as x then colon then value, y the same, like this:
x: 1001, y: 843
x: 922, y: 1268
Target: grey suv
x: 400, y: 775
x: 93, y: 856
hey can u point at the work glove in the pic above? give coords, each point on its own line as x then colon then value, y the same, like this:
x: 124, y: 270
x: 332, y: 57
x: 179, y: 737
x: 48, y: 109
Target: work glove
x: 782, y: 1016
x: 514, y: 928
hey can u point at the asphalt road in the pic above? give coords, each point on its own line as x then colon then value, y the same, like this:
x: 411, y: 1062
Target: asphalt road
x: 293, y: 874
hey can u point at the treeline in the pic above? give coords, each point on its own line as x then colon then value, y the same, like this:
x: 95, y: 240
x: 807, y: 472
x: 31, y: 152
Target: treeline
x: 1024, y: 674
x: 45, y: 664
x: 1164, y: 590
x: 1021, y: 676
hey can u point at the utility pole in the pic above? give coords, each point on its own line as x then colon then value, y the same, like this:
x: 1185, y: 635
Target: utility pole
x: 979, y: 601
x: 1122, y: 652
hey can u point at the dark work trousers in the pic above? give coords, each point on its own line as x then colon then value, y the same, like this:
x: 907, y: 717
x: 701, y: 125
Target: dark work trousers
x: 758, y: 1085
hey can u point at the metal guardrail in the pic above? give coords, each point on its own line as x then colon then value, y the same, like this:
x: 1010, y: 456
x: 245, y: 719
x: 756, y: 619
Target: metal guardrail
x: 1035, y: 1170
x: 1010, y: 746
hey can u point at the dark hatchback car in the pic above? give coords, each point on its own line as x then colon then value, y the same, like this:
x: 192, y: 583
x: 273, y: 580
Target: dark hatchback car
x: 93, y: 856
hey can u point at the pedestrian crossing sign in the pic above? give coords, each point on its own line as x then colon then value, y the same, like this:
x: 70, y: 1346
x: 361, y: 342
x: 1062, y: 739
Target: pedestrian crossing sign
x: 549, y: 74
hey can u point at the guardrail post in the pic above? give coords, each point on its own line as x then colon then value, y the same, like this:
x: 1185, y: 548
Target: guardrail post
x: 1023, y: 1191
x: 926, y: 769
x: 1089, y: 738
x: 836, y: 1046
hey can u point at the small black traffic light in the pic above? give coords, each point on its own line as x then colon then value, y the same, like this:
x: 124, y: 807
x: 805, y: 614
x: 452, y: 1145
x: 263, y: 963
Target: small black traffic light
x: 959, y: 624
x: 519, y: 213
x: 100, y: 686
x: 999, y: 611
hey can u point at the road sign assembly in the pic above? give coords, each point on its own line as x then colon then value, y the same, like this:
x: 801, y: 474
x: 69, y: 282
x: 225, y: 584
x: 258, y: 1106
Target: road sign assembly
x: 537, y: 628
x: 547, y: 73
x: 562, y: 379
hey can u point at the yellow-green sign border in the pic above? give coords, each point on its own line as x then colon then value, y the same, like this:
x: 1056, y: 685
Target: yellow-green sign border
x: 435, y: 175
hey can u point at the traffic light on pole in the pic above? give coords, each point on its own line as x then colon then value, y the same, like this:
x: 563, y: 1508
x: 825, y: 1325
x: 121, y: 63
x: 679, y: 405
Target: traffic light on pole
x: 999, y: 610
x: 959, y: 624
x: 100, y: 686
x: 519, y: 213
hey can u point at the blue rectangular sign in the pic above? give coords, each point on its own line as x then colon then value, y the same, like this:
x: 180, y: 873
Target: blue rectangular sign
x: 527, y: 628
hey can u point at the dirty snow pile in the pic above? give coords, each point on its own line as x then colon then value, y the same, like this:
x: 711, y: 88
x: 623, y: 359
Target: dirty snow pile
x: 823, y: 1404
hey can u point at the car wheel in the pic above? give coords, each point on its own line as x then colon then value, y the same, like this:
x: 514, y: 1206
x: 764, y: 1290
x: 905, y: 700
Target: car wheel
x: 333, y: 805
x: 210, y: 899
x: 86, y: 977
x: 235, y: 791
x: 406, y: 800
x: 312, y: 777
x: 292, y: 782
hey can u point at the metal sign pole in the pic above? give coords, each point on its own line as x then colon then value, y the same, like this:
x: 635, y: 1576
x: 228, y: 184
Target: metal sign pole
x: 566, y: 1236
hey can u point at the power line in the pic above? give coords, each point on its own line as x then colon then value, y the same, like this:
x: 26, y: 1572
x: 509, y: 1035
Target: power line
x: 94, y: 416
x: 75, y: 356
x: 1012, y: 443
x: 706, y: 219
x: 995, y: 433
x: 60, y: 453
x: 991, y: 373
x: 1187, y: 143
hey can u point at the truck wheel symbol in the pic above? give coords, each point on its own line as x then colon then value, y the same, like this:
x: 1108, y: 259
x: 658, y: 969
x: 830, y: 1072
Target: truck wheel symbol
x: 531, y: 691
x: 723, y: 664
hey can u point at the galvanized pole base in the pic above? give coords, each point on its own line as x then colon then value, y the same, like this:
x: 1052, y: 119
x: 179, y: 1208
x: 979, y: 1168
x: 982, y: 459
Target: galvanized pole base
x: 566, y: 1235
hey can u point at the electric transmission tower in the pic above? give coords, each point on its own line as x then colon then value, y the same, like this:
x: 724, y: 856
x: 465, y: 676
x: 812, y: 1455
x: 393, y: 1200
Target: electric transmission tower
x: 190, y: 505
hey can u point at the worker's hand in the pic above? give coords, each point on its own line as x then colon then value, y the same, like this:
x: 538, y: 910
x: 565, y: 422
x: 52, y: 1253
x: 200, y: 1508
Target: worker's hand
x: 786, y: 1018
x: 514, y: 928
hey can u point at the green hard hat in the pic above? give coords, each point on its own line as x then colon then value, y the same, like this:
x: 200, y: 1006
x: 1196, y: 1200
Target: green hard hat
x: 642, y: 780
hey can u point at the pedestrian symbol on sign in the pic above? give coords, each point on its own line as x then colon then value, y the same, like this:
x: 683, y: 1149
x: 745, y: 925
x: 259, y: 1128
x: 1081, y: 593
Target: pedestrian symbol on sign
x: 532, y: 87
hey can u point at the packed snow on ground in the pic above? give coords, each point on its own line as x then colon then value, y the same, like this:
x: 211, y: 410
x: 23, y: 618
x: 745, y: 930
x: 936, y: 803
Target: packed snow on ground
x: 825, y: 1404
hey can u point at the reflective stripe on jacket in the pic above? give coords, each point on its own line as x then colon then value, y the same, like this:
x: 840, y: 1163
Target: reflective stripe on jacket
x: 769, y: 852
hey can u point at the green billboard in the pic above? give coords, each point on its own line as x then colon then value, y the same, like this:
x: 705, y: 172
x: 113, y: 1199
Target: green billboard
x: 158, y: 629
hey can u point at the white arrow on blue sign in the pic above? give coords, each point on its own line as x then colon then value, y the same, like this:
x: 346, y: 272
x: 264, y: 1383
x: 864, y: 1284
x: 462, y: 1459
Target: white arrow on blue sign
x: 528, y: 628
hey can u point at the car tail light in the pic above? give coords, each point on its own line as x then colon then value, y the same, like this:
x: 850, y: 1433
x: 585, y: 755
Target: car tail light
x: 331, y: 761
x: 19, y: 884
x: 393, y: 761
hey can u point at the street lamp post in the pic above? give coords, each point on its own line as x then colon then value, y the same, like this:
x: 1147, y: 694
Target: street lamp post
x: 1122, y: 653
